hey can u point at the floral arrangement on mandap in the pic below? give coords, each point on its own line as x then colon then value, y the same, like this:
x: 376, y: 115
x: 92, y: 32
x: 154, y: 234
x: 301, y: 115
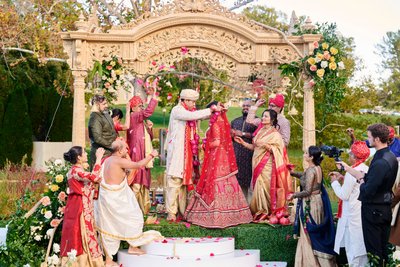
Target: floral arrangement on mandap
x: 323, y: 70
x: 324, y: 65
x: 107, y: 78
x: 30, y: 233
x: 188, y: 72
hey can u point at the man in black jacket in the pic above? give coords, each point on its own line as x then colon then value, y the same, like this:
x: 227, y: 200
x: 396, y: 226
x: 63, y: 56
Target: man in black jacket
x: 101, y: 128
x: 376, y: 192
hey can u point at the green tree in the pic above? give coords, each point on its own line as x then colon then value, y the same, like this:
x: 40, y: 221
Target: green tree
x: 268, y: 16
x: 16, y: 133
x: 389, y: 50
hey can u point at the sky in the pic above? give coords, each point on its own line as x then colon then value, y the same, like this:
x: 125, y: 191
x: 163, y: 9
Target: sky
x: 367, y: 21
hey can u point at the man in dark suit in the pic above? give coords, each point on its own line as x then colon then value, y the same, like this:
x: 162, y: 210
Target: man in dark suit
x: 101, y: 128
x: 376, y: 192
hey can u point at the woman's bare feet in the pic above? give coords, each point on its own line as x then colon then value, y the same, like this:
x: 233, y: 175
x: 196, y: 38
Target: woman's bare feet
x: 135, y: 251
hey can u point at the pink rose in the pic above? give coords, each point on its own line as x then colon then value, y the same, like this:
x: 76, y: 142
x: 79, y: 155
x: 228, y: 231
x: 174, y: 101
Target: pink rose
x: 61, y: 210
x: 55, y: 222
x: 107, y: 84
x: 184, y: 50
x: 315, y: 44
x: 311, y: 83
x: 109, y: 67
x: 327, y: 56
x: 169, y: 96
x: 45, y: 201
x: 139, y: 82
x: 172, y: 67
x: 62, y: 196
x: 313, y: 67
x: 161, y: 67
x: 153, y: 63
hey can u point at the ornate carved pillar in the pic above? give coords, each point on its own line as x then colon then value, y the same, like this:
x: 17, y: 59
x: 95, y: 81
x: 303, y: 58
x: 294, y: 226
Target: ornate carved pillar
x: 308, y: 117
x: 78, y: 121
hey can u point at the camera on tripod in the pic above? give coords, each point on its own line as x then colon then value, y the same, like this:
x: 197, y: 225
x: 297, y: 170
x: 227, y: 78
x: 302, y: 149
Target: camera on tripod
x: 332, y: 152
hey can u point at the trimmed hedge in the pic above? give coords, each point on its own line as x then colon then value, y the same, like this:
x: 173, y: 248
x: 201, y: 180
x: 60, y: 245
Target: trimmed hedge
x: 336, y: 135
x: 274, y: 242
x: 28, y: 117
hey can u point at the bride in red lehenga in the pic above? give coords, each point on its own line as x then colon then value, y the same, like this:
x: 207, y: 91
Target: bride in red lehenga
x: 218, y: 201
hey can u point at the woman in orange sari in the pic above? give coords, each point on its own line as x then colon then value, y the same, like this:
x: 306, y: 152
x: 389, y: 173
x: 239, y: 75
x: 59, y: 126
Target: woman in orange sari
x: 271, y: 181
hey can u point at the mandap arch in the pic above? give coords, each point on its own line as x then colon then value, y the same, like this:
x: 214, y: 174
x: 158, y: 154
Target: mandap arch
x: 212, y: 33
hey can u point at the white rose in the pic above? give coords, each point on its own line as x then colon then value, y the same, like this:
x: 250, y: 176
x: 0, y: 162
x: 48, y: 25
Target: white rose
x: 168, y: 84
x: 55, y: 259
x: 56, y: 248
x: 38, y: 237
x: 317, y: 60
x: 58, y: 162
x: 324, y: 64
x: 396, y: 255
x: 48, y: 214
x: 113, y: 74
x: 72, y: 255
x: 104, y: 77
x: 27, y: 265
x: 49, y: 233
x: 341, y: 65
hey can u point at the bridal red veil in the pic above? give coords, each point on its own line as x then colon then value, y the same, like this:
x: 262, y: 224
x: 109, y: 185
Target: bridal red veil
x: 218, y: 201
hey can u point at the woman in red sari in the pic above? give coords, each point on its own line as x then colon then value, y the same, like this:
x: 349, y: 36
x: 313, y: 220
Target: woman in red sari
x: 271, y: 182
x: 218, y: 201
x: 78, y: 233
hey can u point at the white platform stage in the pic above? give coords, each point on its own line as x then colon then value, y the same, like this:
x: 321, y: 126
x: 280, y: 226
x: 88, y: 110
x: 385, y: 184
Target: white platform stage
x: 196, y: 252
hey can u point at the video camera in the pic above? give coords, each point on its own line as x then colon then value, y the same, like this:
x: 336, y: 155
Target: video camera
x: 332, y: 152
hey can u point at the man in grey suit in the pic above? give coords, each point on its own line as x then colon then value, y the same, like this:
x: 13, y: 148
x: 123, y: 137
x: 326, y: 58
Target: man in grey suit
x: 101, y: 128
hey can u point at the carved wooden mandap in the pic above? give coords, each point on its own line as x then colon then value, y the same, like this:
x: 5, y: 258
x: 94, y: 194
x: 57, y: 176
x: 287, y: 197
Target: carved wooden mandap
x: 224, y: 39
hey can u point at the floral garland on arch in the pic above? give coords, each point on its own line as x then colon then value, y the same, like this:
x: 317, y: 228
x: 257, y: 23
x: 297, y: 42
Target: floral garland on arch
x: 187, y: 72
x: 325, y: 71
x: 107, y: 78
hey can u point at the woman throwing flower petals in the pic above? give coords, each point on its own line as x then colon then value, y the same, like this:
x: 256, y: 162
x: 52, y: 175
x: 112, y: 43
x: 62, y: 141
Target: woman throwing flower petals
x: 78, y: 234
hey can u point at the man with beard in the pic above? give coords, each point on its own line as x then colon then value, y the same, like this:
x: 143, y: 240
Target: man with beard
x: 376, y: 192
x: 101, y: 128
x: 243, y: 155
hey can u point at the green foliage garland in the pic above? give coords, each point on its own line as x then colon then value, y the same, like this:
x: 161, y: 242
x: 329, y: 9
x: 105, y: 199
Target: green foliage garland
x: 106, y: 78
x: 325, y: 69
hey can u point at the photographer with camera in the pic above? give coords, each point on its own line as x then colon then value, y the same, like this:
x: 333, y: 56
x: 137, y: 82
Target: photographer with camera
x: 376, y: 192
x: 349, y: 228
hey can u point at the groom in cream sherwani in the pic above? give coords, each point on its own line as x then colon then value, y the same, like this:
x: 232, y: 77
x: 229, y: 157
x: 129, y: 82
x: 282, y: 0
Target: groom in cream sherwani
x: 179, y: 136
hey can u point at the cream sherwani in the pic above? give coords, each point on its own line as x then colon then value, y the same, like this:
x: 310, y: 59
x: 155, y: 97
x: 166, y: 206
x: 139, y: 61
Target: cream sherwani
x: 119, y: 217
x: 349, y: 228
x: 175, y: 144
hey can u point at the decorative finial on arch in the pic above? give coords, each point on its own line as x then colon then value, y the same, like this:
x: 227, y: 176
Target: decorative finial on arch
x: 293, y: 21
x: 308, y: 24
x: 82, y: 25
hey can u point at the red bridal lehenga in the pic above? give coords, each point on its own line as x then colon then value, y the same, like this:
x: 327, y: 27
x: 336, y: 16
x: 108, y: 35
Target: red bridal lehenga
x: 218, y: 201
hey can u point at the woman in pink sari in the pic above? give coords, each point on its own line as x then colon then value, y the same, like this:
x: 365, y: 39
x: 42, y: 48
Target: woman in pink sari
x: 271, y: 181
x: 218, y: 201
